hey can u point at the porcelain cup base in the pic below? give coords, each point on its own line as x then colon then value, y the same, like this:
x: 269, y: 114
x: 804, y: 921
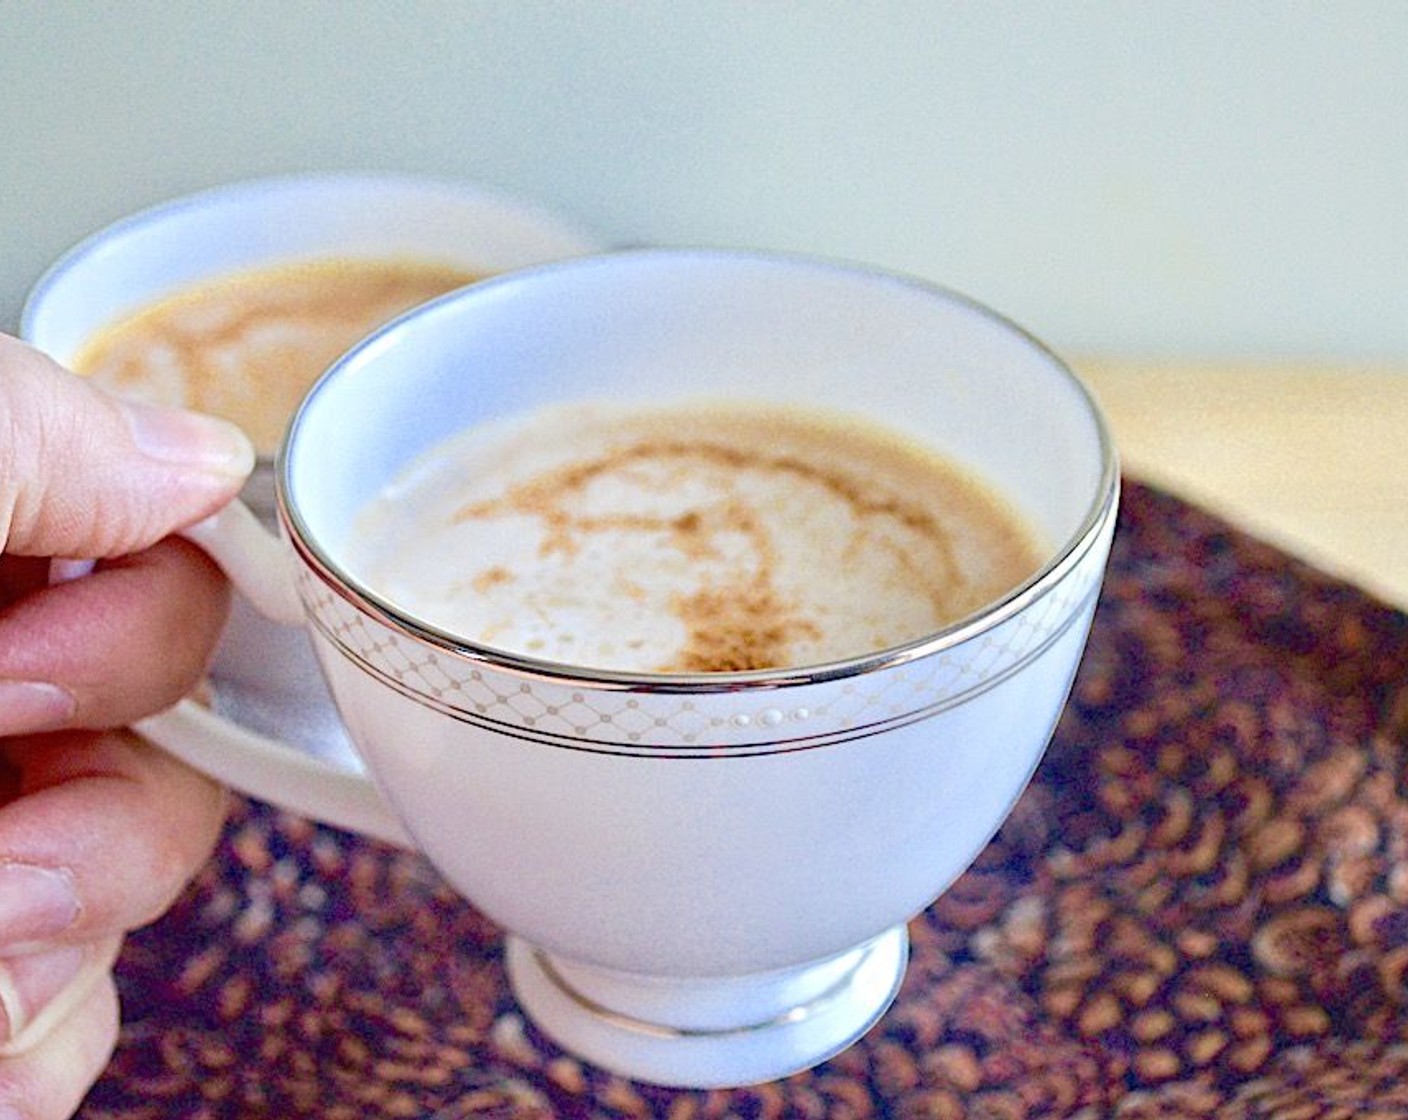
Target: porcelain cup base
x: 714, y: 1033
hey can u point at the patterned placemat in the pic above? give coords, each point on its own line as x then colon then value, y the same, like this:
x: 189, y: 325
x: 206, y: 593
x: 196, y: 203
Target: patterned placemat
x: 1200, y: 907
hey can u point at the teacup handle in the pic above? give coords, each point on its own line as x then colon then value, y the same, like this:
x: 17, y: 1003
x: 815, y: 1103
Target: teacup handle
x: 260, y: 567
x: 256, y: 561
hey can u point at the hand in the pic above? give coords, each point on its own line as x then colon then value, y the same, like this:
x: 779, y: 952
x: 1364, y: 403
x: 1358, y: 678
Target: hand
x: 99, y: 831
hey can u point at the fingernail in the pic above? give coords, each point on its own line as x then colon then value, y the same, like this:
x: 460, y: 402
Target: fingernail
x: 30, y: 706
x: 174, y: 435
x: 30, y: 982
x: 36, y: 904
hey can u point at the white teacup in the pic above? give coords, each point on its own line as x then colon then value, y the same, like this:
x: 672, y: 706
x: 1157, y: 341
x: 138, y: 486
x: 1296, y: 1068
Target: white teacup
x: 265, y: 682
x: 705, y: 879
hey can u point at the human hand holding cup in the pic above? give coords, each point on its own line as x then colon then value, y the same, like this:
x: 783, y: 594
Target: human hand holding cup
x: 704, y: 878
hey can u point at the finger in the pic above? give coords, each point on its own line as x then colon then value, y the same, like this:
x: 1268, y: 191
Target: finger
x: 128, y: 640
x: 83, y: 474
x: 39, y: 990
x: 50, y: 1080
x: 106, y: 832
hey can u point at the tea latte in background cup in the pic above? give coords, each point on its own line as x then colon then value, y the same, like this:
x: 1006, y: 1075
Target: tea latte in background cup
x: 246, y: 346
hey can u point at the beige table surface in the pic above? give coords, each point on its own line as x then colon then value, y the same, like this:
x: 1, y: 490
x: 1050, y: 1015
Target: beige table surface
x: 1314, y: 459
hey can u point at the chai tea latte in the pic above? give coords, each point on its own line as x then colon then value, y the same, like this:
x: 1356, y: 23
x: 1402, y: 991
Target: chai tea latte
x: 709, y: 538
x: 247, y: 346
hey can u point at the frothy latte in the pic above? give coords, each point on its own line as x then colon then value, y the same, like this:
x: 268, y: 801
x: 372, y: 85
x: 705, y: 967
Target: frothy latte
x: 708, y: 538
x: 248, y: 345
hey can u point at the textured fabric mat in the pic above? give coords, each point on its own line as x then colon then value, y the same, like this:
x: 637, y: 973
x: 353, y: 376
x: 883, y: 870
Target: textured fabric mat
x: 1199, y: 907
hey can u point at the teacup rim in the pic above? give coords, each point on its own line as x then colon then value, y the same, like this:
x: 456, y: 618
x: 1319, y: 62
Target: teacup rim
x: 132, y: 223
x: 1060, y: 560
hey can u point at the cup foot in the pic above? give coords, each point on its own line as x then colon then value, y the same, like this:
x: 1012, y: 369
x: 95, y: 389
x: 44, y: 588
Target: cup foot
x: 707, y: 1034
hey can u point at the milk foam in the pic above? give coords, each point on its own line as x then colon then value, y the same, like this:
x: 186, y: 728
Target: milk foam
x: 708, y: 538
x: 246, y: 346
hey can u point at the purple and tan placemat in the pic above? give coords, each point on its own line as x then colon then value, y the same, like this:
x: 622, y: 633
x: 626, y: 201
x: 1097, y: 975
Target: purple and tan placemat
x: 1200, y: 907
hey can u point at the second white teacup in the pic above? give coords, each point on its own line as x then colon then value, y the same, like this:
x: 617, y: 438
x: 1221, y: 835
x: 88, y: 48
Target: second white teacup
x: 265, y: 681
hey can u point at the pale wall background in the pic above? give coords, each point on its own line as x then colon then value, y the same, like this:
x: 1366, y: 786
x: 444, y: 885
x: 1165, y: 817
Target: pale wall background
x: 1194, y: 179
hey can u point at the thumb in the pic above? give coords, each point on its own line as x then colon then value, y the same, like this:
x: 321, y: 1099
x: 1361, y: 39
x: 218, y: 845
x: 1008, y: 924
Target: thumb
x: 84, y: 474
